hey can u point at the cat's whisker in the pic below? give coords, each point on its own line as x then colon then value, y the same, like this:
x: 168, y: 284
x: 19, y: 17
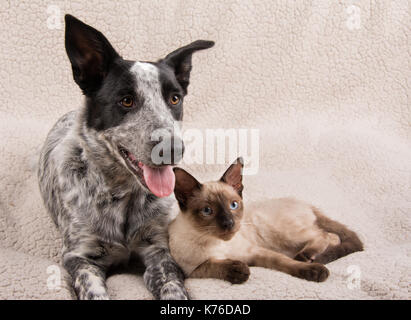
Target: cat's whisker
x: 203, y: 235
x: 208, y: 228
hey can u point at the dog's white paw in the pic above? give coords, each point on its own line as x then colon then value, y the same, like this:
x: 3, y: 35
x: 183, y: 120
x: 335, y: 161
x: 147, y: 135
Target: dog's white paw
x: 173, y: 291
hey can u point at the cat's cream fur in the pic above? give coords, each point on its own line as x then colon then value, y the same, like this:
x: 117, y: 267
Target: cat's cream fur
x: 283, y: 234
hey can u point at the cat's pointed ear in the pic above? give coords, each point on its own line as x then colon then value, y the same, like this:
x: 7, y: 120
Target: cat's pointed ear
x: 184, y: 187
x: 90, y: 54
x: 234, y: 176
x: 180, y: 60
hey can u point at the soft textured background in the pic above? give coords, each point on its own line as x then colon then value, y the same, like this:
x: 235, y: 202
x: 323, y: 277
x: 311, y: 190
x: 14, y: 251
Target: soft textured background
x: 332, y: 105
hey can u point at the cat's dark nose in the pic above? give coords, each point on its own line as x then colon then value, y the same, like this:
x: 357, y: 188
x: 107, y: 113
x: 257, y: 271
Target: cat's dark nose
x: 228, y: 224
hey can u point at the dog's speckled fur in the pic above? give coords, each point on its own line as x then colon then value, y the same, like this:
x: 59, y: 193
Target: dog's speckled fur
x: 100, y: 206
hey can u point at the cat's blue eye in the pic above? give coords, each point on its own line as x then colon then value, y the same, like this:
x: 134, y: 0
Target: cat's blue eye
x: 234, y: 205
x: 206, y: 211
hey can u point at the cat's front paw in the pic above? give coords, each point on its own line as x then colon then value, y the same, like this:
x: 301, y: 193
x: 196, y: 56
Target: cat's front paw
x: 237, y: 272
x: 304, y: 256
x: 313, y: 272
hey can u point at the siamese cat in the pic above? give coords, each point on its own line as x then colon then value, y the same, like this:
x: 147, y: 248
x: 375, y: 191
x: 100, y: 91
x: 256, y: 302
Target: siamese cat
x: 215, y: 236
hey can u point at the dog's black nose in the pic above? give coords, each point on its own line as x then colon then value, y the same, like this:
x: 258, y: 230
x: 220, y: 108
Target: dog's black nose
x: 177, y: 150
x: 171, y: 151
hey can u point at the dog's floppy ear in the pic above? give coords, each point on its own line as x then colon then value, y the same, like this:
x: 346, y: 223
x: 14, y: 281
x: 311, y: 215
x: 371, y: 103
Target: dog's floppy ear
x: 90, y: 54
x: 180, y: 60
x: 185, y: 186
x: 234, y: 176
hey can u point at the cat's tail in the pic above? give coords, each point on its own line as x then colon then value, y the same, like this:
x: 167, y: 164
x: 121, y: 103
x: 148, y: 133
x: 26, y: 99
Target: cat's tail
x: 349, y: 240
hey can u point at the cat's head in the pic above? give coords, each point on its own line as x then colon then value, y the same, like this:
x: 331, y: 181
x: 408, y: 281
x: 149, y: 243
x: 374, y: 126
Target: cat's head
x: 214, y: 207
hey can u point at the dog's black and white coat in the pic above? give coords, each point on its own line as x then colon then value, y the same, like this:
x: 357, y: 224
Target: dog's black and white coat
x: 96, y: 173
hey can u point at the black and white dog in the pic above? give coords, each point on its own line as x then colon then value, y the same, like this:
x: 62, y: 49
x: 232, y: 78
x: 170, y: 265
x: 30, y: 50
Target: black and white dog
x: 105, y: 187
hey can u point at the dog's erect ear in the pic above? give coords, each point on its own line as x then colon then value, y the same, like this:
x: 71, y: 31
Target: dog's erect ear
x: 90, y: 54
x: 185, y: 186
x: 180, y: 60
x: 234, y: 176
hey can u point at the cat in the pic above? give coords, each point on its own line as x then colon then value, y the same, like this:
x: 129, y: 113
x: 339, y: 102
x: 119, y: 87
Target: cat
x: 214, y: 236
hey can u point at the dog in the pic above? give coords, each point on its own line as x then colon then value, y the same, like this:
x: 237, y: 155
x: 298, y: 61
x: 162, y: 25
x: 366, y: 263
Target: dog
x: 101, y: 174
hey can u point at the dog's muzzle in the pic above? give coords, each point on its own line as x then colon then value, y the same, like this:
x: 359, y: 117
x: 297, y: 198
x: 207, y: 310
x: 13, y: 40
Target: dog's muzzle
x: 171, y: 151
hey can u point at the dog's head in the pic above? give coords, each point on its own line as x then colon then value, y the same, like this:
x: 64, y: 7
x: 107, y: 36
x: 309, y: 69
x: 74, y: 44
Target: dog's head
x: 133, y: 106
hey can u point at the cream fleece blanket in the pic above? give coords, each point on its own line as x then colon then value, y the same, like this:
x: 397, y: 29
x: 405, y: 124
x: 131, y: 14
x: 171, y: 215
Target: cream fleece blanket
x: 327, y: 84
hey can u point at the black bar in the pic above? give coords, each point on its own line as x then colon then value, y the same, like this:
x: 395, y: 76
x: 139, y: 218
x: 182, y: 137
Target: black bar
x: 207, y: 309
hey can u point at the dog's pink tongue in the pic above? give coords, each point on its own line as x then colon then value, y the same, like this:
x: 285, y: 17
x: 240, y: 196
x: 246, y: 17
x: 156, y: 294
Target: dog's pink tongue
x: 160, y: 181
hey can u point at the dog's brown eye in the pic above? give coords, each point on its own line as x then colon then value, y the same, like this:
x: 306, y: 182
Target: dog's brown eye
x: 127, y: 102
x: 174, y: 99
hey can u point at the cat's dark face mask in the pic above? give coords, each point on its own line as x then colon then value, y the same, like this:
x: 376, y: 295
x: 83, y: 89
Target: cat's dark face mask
x: 216, y: 208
